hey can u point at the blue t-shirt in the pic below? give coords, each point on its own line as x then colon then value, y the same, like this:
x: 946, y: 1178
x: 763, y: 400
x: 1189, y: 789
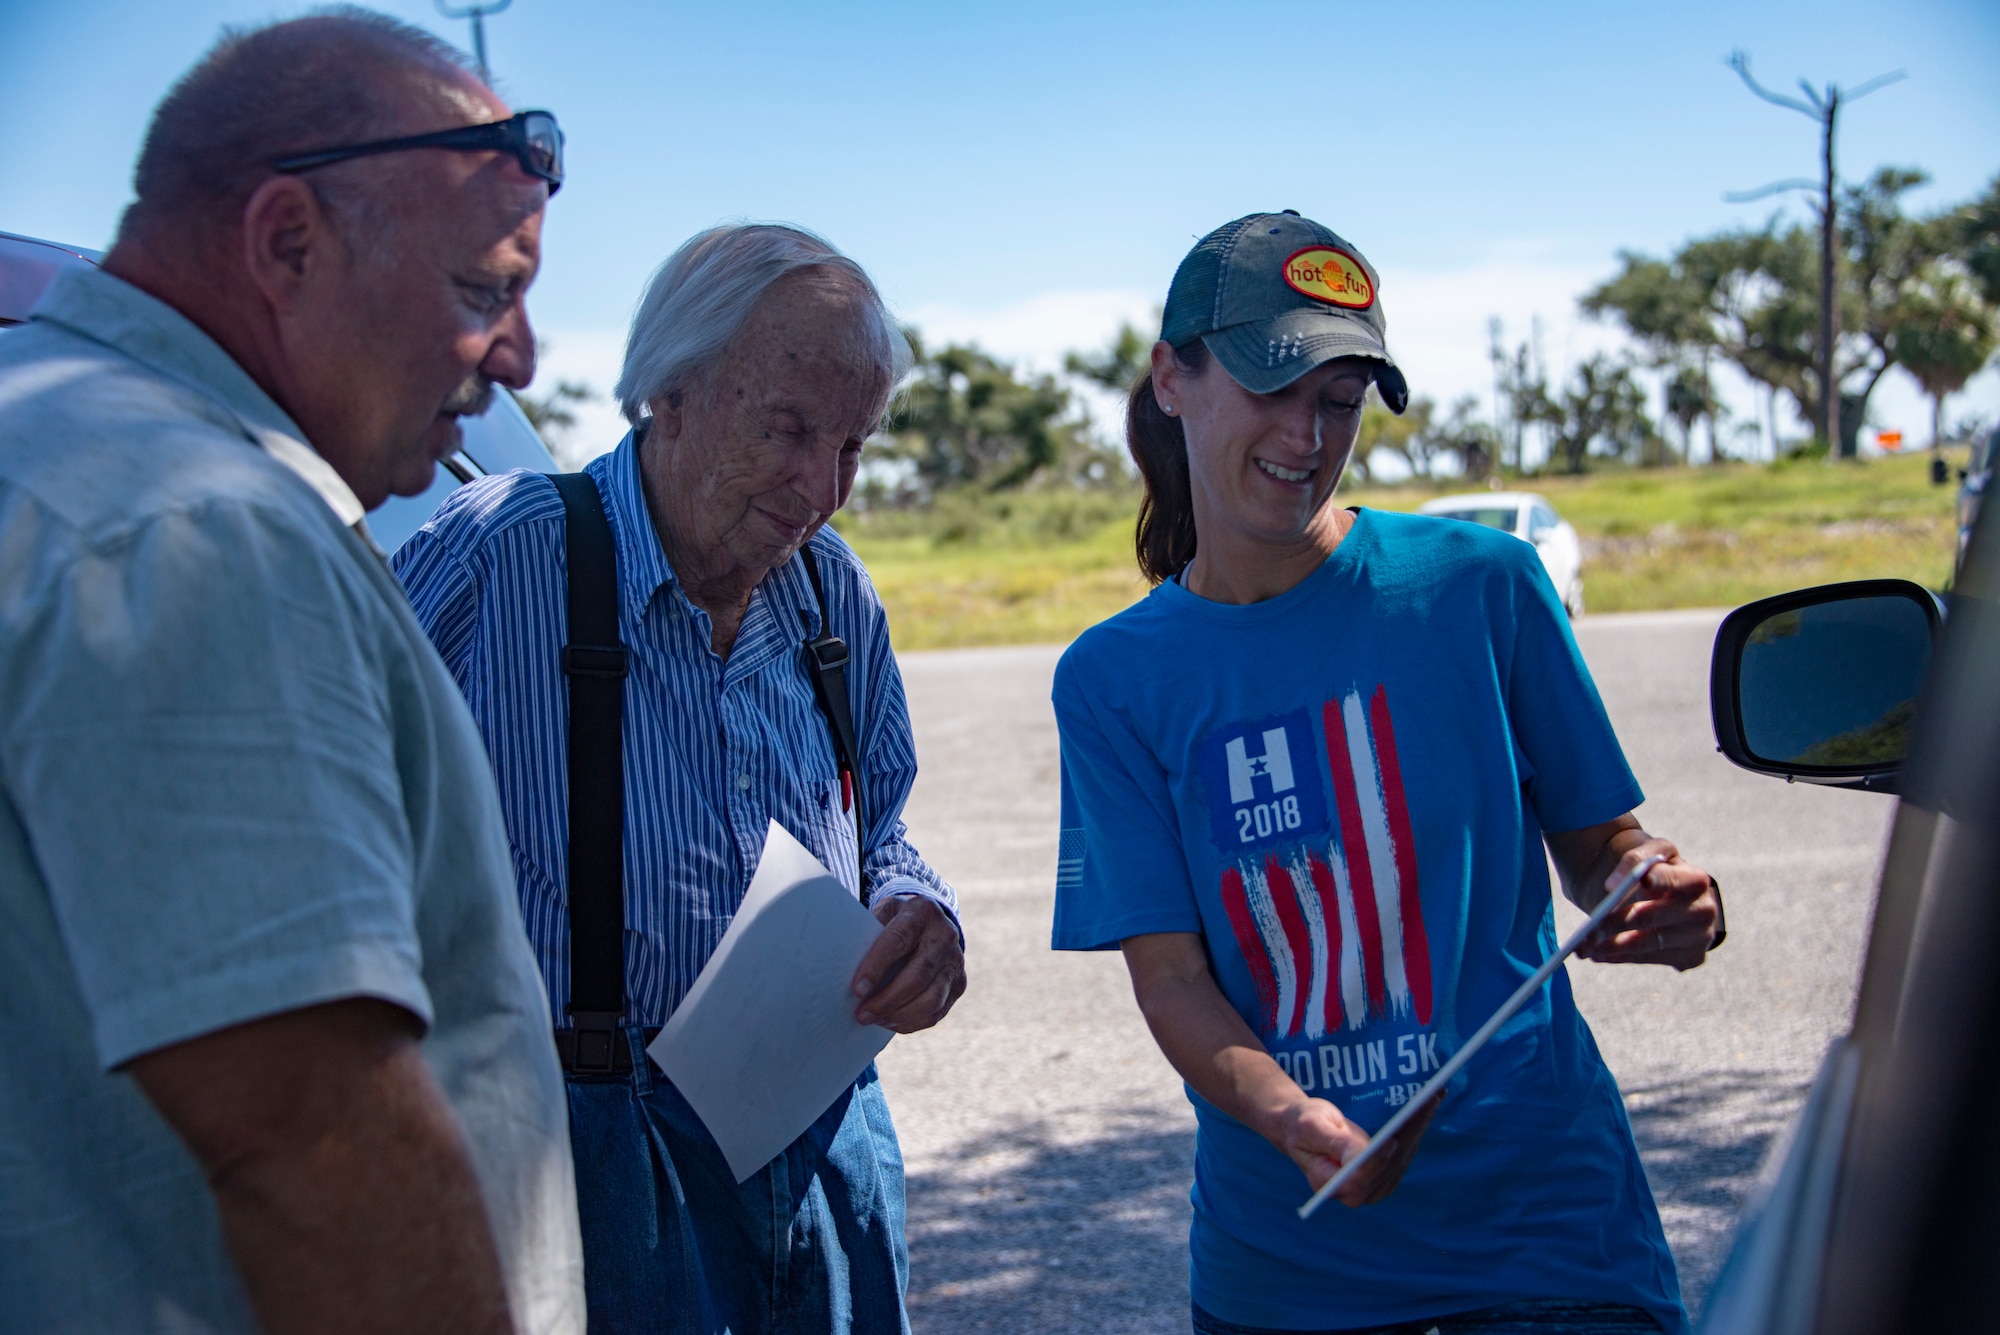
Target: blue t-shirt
x: 1343, y: 789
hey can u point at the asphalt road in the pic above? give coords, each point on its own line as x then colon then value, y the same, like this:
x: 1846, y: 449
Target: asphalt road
x: 1049, y: 1145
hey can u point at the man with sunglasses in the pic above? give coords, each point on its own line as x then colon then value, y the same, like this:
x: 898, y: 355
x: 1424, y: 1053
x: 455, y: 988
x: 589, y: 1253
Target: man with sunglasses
x: 276, y: 1052
x: 531, y: 136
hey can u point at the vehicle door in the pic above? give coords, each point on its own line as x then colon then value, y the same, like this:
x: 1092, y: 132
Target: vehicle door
x: 1880, y: 1211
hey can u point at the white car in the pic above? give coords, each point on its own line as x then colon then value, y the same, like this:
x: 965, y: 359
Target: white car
x: 1531, y: 519
x: 498, y: 439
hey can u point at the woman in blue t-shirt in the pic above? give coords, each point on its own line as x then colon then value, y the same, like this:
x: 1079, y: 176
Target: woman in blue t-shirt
x: 1307, y: 786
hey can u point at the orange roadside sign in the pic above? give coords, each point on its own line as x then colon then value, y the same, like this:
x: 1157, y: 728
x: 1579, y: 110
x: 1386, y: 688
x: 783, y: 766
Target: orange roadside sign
x: 1888, y: 440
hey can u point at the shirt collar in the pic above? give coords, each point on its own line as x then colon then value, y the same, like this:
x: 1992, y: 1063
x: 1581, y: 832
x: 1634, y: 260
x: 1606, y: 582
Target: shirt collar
x: 111, y: 311
x: 791, y: 594
x: 643, y: 567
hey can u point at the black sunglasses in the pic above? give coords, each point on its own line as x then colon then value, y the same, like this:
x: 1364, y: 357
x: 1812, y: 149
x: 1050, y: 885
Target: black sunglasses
x: 531, y: 136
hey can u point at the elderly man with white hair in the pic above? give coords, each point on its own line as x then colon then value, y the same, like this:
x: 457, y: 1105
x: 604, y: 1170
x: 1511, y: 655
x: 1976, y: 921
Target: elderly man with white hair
x: 640, y: 646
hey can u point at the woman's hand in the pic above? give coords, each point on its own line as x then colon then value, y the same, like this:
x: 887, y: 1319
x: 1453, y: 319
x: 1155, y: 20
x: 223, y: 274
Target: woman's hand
x: 1672, y: 918
x: 1320, y: 1140
x: 1215, y: 1052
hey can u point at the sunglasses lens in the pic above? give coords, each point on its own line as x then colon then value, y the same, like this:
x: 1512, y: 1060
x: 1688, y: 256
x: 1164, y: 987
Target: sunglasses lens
x: 545, y: 147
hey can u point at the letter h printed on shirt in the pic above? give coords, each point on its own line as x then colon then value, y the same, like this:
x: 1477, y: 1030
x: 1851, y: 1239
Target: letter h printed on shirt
x: 1321, y: 895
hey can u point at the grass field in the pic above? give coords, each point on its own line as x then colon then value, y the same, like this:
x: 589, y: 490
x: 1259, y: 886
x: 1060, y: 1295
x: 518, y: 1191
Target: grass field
x: 1040, y: 569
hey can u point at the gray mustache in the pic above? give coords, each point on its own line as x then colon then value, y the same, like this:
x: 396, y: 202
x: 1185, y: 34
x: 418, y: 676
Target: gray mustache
x: 471, y: 398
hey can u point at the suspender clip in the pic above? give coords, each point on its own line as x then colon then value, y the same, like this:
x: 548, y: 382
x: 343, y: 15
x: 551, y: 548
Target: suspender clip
x: 596, y: 1042
x: 830, y: 652
x: 595, y: 660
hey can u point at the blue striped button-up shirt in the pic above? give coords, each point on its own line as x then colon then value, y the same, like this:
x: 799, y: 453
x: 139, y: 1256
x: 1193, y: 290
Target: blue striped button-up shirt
x: 714, y: 748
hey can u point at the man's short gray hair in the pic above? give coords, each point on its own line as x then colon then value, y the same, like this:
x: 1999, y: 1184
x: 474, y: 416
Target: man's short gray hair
x: 700, y: 299
x: 264, y: 92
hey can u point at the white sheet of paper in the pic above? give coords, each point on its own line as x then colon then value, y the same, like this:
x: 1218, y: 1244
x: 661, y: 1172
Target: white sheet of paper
x: 766, y: 1039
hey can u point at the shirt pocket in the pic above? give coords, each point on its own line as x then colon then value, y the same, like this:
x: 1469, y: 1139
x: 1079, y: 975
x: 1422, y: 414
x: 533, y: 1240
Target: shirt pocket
x: 811, y: 808
x: 837, y: 830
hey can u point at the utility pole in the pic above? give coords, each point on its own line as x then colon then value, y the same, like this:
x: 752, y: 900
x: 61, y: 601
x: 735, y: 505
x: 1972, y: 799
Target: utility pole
x: 1498, y: 357
x: 1822, y: 105
x: 477, y: 13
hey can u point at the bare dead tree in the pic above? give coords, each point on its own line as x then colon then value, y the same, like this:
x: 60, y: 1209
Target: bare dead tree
x: 1822, y: 105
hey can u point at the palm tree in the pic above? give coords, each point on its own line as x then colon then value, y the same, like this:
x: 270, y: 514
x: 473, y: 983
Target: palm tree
x: 1691, y: 398
x: 1943, y: 334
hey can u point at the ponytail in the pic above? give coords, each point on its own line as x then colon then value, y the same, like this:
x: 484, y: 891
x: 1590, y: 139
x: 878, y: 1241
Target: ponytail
x: 1165, y: 537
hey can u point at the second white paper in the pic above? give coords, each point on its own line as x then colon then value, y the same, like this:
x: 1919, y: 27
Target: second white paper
x: 766, y: 1039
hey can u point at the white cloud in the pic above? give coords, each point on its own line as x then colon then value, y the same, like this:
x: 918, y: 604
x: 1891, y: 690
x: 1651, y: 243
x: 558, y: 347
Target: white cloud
x: 1438, y: 321
x: 1437, y: 331
x: 1437, y: 324
x: 1035, y: 332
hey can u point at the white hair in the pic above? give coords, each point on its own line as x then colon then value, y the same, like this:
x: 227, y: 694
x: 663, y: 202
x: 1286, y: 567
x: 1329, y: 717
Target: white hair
x: 700, y: 299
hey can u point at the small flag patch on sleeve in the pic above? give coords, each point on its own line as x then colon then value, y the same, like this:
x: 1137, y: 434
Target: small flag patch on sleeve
x: 1069, y: 860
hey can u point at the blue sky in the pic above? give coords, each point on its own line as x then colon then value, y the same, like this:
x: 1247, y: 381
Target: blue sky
x: 1028, y: 174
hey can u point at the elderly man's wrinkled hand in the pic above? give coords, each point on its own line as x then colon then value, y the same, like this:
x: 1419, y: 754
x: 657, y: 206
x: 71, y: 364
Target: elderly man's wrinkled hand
x: 915, y: 971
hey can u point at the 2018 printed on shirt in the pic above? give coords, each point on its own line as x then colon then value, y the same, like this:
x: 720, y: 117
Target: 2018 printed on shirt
x: 1321, y: 894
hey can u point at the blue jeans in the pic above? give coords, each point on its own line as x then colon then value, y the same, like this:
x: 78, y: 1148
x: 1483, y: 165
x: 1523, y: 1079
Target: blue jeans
x: 1541, y: 1317
x: 673, y: 1245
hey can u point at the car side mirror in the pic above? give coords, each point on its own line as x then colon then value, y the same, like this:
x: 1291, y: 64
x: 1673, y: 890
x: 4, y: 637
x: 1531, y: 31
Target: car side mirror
x: 1821, y: 685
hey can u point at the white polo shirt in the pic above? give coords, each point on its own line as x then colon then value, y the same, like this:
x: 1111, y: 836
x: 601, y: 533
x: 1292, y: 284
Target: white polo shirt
x: 235, y: 780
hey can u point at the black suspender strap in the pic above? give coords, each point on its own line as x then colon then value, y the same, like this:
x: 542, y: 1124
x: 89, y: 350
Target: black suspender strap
x: 594, y: 663
x: 826, y: 664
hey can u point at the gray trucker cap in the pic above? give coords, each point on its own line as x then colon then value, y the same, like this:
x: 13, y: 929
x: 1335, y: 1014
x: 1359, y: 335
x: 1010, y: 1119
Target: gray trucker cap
x: 1273, y: 295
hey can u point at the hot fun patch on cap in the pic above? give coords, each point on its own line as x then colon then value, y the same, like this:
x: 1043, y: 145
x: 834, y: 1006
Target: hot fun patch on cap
x: 1329, y: 275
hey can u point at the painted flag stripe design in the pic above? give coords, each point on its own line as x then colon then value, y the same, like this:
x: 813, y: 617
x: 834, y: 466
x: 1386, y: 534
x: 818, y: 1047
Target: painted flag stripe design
x: 1417, y: 946
x: 1312, y: 909
x: 1339, y: 943
x: 1360, y: 867
x: 1271, y: 932
x: 1353, y: 982
x: 1236, y: 904
x: 1381, y: 851
x: 1339, y: 940
x: 1292, y: 918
